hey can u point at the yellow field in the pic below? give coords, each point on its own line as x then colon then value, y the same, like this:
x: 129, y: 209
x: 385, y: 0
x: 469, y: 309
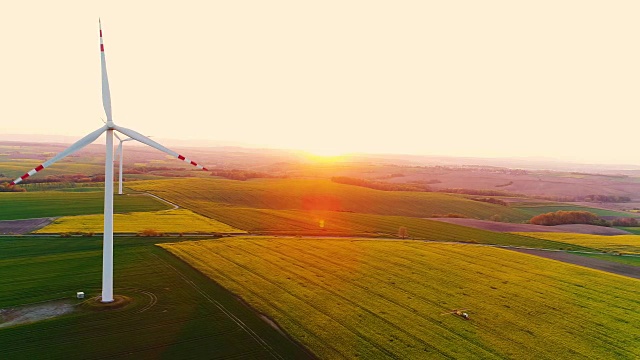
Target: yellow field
x: 374, y: 299
x: 617, y: 243
x: 167, y: 221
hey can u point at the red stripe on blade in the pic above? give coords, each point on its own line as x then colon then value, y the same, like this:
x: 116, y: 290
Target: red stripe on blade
x: 12, y: 183
x: 40, y: 167
x: 193, y: 163
x: 24, y: 176
x: 205, y: 169
x: 180, y: 157
x: 100, y: 33
x: 101, y: 47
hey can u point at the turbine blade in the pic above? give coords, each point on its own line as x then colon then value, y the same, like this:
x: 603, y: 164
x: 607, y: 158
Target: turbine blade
x: 145, y: 140
x: 68, y: 151
x: 106, y: 94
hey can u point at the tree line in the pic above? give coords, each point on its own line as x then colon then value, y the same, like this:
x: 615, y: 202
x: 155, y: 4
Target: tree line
x: 380, y: 185
x: 579, y: 217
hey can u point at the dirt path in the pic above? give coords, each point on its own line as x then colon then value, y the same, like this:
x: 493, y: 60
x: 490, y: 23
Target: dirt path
x: 12, y: 227
x: 35, y: 312
x: 598, y: 264
x: 175, y: 206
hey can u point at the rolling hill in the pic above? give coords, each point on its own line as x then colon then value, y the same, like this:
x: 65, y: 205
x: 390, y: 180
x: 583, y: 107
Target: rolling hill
x: 317, y: 195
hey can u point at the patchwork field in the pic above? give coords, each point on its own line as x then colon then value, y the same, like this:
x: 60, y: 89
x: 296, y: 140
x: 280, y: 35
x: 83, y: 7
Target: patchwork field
x: 375, y: 299
x: 619, y: 243
x: 317, y: 195
x: 55, y: 203
x: 532, y: 211
x: 523, y: 228
x: 323, y: 223
x: 14, y: 168
x: 166, y: 221
x: 177, y: 312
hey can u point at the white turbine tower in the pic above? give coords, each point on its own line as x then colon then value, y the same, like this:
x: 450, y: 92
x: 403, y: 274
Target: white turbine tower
x: 109, y: 127
x: 119, y: 151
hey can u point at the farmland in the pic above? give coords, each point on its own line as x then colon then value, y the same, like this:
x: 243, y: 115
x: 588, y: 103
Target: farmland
x: 618, y: 243
x: 166, y: 221
x: 176, y: 311
x: 379, y: 299
x: 15, y: 168
x: 537, y: 210
x: 325, y: 223
x: 55, y: 203
x: 354, y: 297
x: 318, y: 195
x: 510, y: 227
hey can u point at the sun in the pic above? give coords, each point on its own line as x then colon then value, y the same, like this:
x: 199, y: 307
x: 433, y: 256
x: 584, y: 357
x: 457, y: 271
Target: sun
x: 326, y: 152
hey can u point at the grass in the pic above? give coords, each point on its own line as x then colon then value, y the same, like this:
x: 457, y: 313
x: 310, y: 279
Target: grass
x: 616, y: 243
x: 633, y: 230
x: 167, y: 221
x: 16, y: 168
x: 64, y: 186
x: 323, y: 223
x: 193, y: 317
x: 315, y: 195
x: 375, y: 299
x: 55, y: 203
x: 532, y: 211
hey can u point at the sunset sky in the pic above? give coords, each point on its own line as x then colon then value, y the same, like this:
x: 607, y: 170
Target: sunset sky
x: 463, y: 78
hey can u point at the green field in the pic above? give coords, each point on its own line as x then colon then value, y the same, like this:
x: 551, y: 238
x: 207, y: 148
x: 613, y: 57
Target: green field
x: 56, y: 203
x: 633, y: 230
x: 64, y: 186
x: 532, y: 211
x: 618, y: 243
x: 166, y: 221
x: 374, y: 299
x: 315, y: 195
x: 15, y: 168
x: 192, y: 317
x: 297, y: 222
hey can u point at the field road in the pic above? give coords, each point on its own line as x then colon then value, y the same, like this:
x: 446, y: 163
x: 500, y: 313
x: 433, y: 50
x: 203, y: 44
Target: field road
x: 175, y: 206
x: 598, y: 264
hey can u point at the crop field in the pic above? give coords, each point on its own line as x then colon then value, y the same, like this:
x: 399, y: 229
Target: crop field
x: 618, y: 243
x: 15, y: 168
x: 55, y: 203
x: 318, y: 195
x: 375, y: 299
x: 323, y: 223
x: 177, y: 312
x: 64, y: 186
x: 532, y: 211
x: 166, y: 221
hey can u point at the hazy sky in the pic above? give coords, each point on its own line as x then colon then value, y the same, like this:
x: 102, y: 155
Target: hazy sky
x: 474, y: 78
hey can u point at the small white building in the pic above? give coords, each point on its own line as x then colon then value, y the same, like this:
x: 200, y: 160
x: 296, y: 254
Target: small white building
x: 80, y: 294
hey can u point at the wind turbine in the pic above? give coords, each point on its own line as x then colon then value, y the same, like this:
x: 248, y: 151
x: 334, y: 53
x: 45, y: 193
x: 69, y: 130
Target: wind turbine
x: 119, y: 151
x: 109, y: 127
